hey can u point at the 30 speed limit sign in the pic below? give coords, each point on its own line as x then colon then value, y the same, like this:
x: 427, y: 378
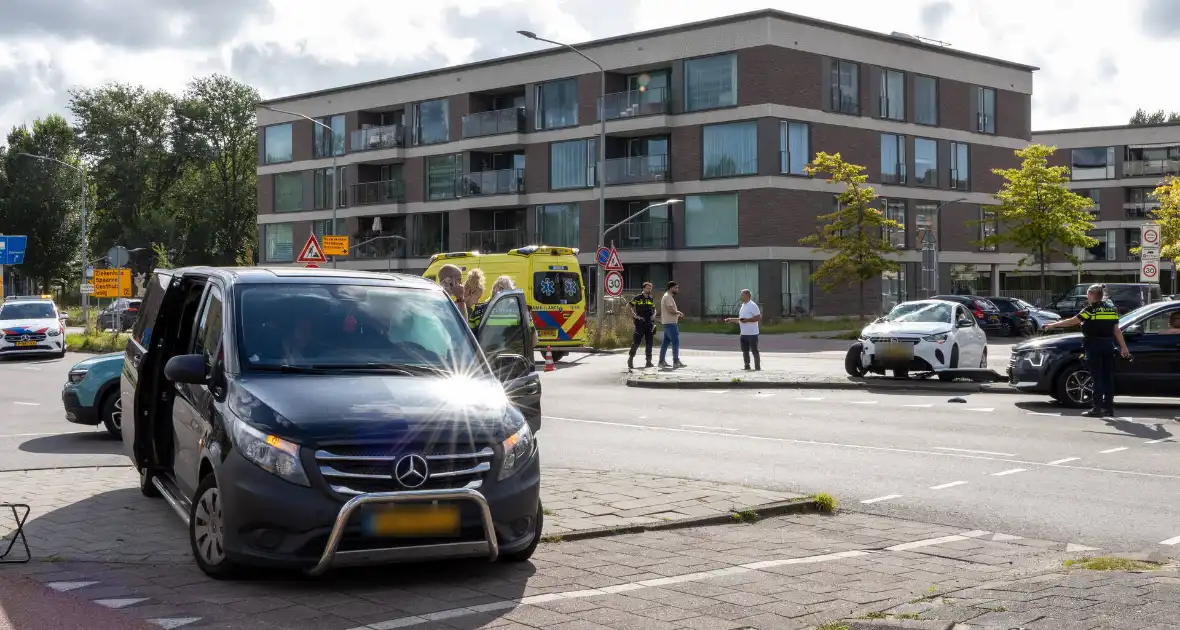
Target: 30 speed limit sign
x: 1149, y: 273
x: 614, y: 284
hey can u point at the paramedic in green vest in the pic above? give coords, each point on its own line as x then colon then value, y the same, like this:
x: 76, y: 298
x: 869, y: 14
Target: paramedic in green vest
x: 1100, y: 332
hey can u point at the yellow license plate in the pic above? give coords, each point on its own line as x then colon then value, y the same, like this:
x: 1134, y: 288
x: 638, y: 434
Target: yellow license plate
x: 546, y: 333
x: 25, y: 344
x: 413, y: 521
x: 897, y: 351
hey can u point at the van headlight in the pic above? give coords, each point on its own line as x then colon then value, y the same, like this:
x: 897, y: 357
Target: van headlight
x: 269, y: 452
x: 1036, y: 358
x: 54, y: 332
x: 518, y: 450
x: 938, y: 338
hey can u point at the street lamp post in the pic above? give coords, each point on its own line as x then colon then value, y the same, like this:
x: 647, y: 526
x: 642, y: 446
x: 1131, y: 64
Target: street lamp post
x: 599, y: 172
x: 620, y: 224
x: 332, y: 148
x: 389, y: 257
x: 938, y: 237
x: 82, y: 180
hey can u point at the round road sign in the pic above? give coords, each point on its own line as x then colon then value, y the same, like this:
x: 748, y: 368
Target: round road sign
x: 614, y: 284
x: 1151, y: 236
x: 1149, y: 271
x: 603, y: 256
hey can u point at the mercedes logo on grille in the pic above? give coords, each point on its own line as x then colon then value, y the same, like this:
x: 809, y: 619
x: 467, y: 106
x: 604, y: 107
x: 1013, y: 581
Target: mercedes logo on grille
x: 24, y: 337
x: 411, y: 471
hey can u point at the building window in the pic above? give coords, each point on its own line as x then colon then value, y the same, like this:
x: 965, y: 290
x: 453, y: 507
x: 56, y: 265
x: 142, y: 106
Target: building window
x: 277, y: 139
x: 322, y: 227
x: 322, y: 189
x: 571, y: 164
x: 926, y: 162
x: 336, y: 138
x: 925, y: 100
x: 797, y: 288
x: 559, y: 224
x: 278, y: 240
x: 893, y: 289
x: 431, y: 234
x: 795, y: 140
x: 730, y: 149
x: 723, y: 283
x: 442, y: 176
x: 710, y: 82
x: 1092, y: 163
x: 1105, y: 249
x: 431, y: 122
x: 557, y: 104
x: 845, y: 77
x: 893, y: 169
x: 711, y: 220
x: 288, y: 192
x: 1140, y: 203
x: 989, y: 226
x: 891, y: 102
x: 1094, y: 195
x: 895, y: 211
x: 985, y: 117
x: 924, y: 220
x: 659, y: 274
x: 960, y: 166
x: 1131, y: 241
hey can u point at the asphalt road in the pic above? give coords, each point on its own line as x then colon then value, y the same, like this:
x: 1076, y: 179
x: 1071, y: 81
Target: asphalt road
x: 1005, y: 463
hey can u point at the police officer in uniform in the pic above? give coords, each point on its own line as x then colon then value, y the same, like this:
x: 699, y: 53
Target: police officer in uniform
x: 643, y: 309
x: 1100, y: 331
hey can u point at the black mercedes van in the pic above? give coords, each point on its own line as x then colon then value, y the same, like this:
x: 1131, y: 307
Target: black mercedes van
x: 319, y: 418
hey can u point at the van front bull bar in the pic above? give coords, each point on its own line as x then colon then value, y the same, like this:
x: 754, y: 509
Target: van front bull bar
x: 332, y: 557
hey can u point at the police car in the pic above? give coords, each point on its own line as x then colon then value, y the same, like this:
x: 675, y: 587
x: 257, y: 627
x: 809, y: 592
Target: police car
x: 31, y: 325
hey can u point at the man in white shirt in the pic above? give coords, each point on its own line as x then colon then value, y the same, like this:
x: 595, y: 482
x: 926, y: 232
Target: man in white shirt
x: 747, y: 320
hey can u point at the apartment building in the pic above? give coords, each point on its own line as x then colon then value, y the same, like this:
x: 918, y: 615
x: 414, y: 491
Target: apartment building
x: 721, y: 114
x: 1118, y: 167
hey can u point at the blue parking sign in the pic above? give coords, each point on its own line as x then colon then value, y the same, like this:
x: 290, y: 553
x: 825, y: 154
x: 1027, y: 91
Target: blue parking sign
x: 12, y: 249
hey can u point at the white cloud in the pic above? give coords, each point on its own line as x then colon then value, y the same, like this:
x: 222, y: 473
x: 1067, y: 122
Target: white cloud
x: 1098, y: 62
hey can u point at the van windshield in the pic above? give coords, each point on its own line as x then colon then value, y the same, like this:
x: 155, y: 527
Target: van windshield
x: 924, y: 312
x: 325, y: 326
x: 557, y: 287
x: 28, y: 310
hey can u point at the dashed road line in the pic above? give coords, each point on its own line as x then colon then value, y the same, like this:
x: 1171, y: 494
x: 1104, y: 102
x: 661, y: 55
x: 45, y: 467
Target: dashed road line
x: 1114, y: 450
x: 1011, y: 471
x: 983, y: 409
x: 863, y: 402
x: 948, y: 485
x: 697, y: 426
x: 1054, y: 414
x: 967, y: 450
x: 925, y: 406
x: 1170, y: 541
x: 716, y: 391
x: 1160, y: 440
x: 811, y: 398
x: 26, y: 404
x: 63, y: 587
x: 884, y: 498
x: 169, y: 623
x: 116, y: 604
x: 918, y: 544
x: 1062, y: 461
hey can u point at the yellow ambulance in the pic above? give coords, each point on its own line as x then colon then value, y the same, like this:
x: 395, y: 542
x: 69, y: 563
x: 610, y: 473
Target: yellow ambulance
x: 552, y: 283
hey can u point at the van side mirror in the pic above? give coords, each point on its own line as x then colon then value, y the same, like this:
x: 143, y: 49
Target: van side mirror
x: 510, y: 366
x: 1133, y: 330
x: 966, y: 323
x: 186, y: 368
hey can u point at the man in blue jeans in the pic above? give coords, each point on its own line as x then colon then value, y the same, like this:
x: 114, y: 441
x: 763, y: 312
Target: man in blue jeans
x: 670, y: 316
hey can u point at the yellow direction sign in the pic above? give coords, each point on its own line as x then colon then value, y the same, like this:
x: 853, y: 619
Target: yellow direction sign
x: 112, y: 283
x: 334, y: 245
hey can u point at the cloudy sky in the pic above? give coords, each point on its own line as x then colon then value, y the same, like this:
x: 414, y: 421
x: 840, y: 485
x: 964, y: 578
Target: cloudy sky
x: 1099, y: 60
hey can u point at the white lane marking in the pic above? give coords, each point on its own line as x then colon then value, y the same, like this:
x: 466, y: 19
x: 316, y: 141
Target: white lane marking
x: 862, y: 402
x: 1062, y: 461
x: 966, y: 450
x: 697, y: 426
x: 174, y: 622
x: 716, y: 391
x: 1074, y: 547
x: 1114, y: 450
x: 27, y: 404
x: 983, y: 409
x: 63, y: 587
x: 120, y: 603
x: 763, y: 395
x: 1006, y: 537
x: 1013, y: 471
x: 862, y: 447
x: 948, y: 485
x: 31, y: 369
x: 1043, y: 413
x: 884, y: 498
x: 1170, y: 541
x: 918, y: 544
x: 1158, y: 441
x: 811, y: 398
x: 926, y: 406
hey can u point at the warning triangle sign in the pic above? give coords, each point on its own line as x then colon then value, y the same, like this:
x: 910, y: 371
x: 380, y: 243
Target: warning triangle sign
x: 613, y: 263
x: 311, y: 252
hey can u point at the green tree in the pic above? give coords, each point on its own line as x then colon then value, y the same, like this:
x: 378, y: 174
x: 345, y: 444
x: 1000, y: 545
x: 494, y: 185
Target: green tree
x: 1142, y: 117
x: 41, y: 199
x: 1038, y: 214
x: 856, y: 234
x: 1167, y: 216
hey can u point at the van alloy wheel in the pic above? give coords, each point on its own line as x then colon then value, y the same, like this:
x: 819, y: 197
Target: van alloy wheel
x: 1079, y: 387
x: 117, y: 416
x: 208, y: 530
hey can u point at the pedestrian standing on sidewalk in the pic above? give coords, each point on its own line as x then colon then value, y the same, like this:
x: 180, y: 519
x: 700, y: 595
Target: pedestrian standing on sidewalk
x: 670, y: 317
x: 643, y: 311
x: 747, y: 320
x: 1100, y: 332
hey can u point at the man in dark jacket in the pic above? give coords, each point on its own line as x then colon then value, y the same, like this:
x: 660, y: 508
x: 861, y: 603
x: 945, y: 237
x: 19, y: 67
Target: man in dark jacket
x: 643, y: 310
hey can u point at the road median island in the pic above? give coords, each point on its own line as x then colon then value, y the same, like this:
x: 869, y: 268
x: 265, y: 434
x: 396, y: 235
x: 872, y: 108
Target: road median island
x: 691, y: 378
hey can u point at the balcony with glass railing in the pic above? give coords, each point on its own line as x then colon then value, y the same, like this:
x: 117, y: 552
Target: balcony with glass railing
x: 637, y: 170
x: 387, y: 191
x: 378, y: 138
x: 483, y: 183
x: 633, y: 103
x: 377, y: 248
x: 654, y: 234
x: 494, y: 241
x: 1140, y: 210
x: 511, y: 120
x: 1143, y: 168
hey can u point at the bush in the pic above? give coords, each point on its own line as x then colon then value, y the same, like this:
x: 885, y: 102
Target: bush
x: 826, y: 502
x: 96, y: 341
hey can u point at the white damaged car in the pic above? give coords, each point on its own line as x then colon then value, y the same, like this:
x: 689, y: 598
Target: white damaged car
x: 919, y: 336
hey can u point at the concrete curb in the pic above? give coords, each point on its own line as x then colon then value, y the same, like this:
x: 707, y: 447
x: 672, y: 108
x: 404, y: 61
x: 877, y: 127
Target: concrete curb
x: 766, y: 510
x: 900, y: 624
x: 882, y: 384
